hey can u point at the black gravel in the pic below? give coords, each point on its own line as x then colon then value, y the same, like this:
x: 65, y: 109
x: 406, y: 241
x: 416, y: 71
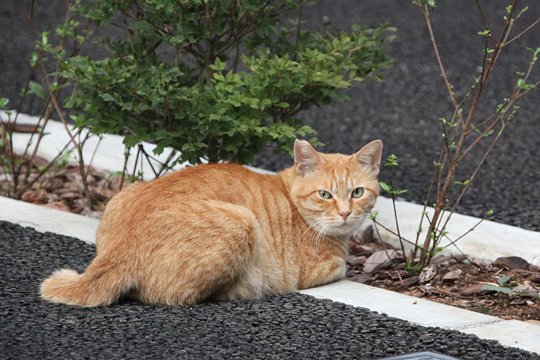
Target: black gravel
x: 281, y: 327
x: 403, y: 110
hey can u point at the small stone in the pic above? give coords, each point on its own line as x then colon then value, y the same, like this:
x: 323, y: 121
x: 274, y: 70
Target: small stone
x: 512, y: 262
x: 427, y: 273
x: 380, y: 259
x: 452, y: 275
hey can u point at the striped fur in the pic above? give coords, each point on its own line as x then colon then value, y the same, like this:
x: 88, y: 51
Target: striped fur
x: 224, y: 232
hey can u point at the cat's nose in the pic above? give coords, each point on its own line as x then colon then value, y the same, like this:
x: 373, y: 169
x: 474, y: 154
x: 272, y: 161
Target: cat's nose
x: 345, y: 214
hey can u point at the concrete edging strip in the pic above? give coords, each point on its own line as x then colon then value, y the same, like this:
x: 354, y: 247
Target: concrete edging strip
x: 45, y: 219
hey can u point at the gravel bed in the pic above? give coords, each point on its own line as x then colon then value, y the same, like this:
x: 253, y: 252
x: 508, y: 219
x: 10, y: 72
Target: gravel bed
x: 403, y: 110
x: 289, y: 326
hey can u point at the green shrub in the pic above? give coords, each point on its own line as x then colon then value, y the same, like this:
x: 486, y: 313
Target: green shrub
x: 215, y: 79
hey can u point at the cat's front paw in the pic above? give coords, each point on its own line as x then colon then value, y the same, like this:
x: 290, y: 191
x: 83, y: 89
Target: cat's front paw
x: 340, y: 271
x: 325, y: 272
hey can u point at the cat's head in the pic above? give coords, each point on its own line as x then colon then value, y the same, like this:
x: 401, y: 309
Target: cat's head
x: 335, y: 192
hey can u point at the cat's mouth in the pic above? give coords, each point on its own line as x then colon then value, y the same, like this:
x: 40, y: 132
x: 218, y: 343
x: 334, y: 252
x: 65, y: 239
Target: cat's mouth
x: 343, y: 228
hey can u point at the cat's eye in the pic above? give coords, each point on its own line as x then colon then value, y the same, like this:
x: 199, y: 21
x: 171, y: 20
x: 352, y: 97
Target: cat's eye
x: 358, y: 192
x: 325, y: 194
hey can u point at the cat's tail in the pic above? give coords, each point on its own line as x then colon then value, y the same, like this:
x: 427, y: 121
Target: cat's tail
x: 101, y: 284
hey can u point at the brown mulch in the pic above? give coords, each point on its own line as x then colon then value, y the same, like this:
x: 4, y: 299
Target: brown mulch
x: 62, y: 187
x: 508, y: 288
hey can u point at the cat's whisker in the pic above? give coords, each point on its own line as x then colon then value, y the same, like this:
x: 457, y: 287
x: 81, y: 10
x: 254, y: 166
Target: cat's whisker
x: 315, y: 226
x: 319, y: 227
x: 308, y: 227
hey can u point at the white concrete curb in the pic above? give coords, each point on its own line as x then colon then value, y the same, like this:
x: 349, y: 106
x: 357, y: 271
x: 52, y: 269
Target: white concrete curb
x: 45, y: 219
x: 489, y: 241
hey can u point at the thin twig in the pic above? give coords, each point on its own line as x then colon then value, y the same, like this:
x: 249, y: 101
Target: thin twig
x: 518, y: 36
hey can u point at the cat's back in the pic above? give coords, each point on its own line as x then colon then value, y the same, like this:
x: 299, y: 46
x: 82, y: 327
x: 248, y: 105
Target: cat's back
x: 219, y: 181
x: 225, y: 182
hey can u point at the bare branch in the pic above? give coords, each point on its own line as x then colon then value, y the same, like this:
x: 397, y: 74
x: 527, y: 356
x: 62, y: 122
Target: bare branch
x: 518, y: 36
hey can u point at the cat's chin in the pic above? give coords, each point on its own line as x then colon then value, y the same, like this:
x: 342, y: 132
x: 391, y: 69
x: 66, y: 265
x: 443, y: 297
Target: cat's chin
x: 343, y: 230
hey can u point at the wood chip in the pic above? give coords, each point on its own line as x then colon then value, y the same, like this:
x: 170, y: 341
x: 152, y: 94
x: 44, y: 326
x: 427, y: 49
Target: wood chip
x: 101, y: 193
x: 407, y: 282
x: 452, y: 275
x: 360, y: 278
x: 53, y: 184
x: 476, y: 289
x: 35, y: 196
x: 427, y: 273
x: 512, y: 262
x: 354, y: 260
x: 379, y: 260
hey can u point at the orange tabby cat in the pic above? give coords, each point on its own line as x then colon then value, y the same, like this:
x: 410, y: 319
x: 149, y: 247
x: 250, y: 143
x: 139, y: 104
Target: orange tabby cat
x: 224, y: 232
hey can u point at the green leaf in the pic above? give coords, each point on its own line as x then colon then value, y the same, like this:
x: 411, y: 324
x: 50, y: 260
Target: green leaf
x: 391, y: 161
x: 3, y: 102
x: 485, y: 33
x: 210, y: 105
x: 503, y: 279
x: 385, y: 187
x: 373, y: 215
x: 106, y: 97
x: 37, y: 89
x: 463, y: 183
x: 535, y: 52
x: 495, y: 288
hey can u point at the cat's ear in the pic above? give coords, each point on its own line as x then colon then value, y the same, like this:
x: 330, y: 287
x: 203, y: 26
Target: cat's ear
x: 306, y: 157
x: 370, y: 155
